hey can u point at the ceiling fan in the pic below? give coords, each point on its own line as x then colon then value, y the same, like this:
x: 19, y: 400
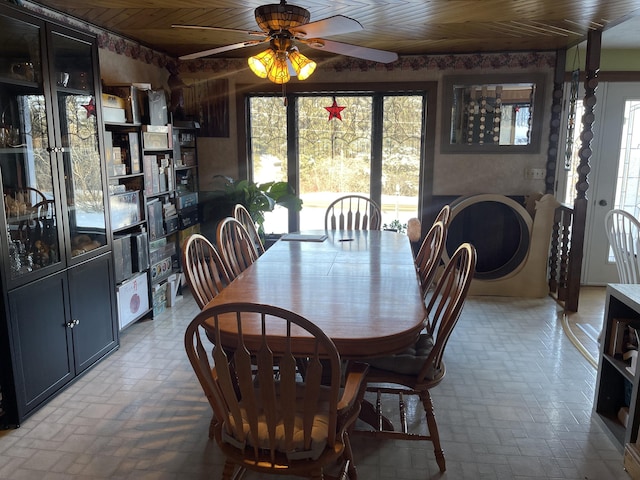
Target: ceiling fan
x: 282, y: 25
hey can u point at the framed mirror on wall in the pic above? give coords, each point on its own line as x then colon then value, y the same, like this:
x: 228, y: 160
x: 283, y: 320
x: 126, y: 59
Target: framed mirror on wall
x: 492, y: 113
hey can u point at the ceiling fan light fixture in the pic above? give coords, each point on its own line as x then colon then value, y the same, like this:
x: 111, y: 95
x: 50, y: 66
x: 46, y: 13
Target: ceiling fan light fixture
x: 280, y: 16
x: 302, y: 65
x: 278, y: 72
x: 260, y: 63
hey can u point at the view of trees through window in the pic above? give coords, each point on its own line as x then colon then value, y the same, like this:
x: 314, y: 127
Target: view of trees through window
x: 337, y: 156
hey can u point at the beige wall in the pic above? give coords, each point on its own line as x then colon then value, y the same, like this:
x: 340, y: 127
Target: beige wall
x: 454, y: 174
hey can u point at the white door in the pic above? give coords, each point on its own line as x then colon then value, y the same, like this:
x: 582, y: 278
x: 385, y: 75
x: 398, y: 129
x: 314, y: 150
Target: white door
x: 615, y: 170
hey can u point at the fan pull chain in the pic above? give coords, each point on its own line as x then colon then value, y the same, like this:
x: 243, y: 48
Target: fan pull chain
x: 285, y: 100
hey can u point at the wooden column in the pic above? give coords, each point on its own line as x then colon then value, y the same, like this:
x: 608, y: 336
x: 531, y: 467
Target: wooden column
x: 592, y: 67
x: 556, y: 113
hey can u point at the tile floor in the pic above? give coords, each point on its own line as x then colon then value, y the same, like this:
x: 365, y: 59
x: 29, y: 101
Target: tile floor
x: 516, y: 404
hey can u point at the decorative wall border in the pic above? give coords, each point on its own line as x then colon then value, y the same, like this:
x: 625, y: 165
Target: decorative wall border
x: 136, y: 51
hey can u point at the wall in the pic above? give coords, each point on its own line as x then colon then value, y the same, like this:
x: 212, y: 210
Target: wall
x: 454, y: 174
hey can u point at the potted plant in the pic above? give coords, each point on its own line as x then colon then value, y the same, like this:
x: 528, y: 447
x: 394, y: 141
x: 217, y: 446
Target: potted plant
x: 257, y: 198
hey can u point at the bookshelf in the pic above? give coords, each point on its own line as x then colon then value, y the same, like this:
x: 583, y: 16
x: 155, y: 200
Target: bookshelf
x: 618, y: 379
x: 153, y: 188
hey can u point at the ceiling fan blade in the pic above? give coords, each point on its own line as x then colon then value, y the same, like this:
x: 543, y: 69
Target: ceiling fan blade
x: 215, y: 51
x: 252, y: 33
x: 372, y: 54
x: 335, y: 25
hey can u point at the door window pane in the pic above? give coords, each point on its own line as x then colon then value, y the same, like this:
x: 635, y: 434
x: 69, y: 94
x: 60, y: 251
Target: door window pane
x: 401, y: 153
x: 268, y: 138
x: 334, y: 154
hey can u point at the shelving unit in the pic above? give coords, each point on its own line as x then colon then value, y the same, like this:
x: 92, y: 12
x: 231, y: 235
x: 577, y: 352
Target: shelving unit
x: 157, y: 201
x: 128, y: 221
x: 617, y: 383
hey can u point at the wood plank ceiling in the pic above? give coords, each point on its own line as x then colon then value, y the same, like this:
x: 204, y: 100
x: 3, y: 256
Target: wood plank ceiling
x: 407, y: 27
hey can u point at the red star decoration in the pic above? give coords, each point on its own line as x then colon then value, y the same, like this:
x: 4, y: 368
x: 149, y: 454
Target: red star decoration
x: 334, y: 110
x: 91, y: 108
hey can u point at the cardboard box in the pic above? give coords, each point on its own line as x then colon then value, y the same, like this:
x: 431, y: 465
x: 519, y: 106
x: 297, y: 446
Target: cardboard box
x: 188, y: 217
x: 187, y: 200
x: 170, y: 225
x: 160, y: 249
x: 155, y: 141
x: 133, y: 299
x: 113, y: 101
x: 161, y: 270
x: 159, y: 298
x: 113, y: 115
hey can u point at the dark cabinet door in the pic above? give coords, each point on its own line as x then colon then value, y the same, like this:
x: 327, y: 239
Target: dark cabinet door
x: 42, y: 340
x: 32, y: 244
x: 92, y: 311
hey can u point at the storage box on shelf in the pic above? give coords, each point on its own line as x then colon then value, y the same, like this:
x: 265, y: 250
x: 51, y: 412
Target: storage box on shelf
x: 616, y: 397
x: 133, y: 299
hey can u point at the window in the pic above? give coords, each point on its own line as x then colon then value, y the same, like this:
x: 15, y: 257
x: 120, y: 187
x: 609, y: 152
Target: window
x: 376, y: 148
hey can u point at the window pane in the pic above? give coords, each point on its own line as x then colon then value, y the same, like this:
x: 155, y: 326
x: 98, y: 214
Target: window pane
x: 401, y: 147
x: 268, y: 140
x: 334, y: 154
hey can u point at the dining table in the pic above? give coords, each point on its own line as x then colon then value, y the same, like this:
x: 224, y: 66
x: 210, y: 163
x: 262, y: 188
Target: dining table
x: 359, y: 286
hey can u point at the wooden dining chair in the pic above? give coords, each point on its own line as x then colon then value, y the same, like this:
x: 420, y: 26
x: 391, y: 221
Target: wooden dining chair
x: 429, y: 255
x: 352, y: 212
x: 275, y: 424
x: 241, y: 214
x: 203, y: 269
x: 444, y: 216
x: 623, y: 232
x: 417, y: 370
x: 235, y: 246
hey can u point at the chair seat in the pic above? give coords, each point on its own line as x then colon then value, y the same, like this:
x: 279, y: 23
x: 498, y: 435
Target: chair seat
x: 409, y: 362
x: 297, y: 451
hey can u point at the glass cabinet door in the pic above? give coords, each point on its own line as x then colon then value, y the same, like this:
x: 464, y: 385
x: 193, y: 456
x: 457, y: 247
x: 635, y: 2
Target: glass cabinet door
x: 29, y: 189
x: 73, y: 83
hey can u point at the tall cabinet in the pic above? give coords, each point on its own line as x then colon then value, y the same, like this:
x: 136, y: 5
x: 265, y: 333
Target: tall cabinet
x: 57, y: 316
